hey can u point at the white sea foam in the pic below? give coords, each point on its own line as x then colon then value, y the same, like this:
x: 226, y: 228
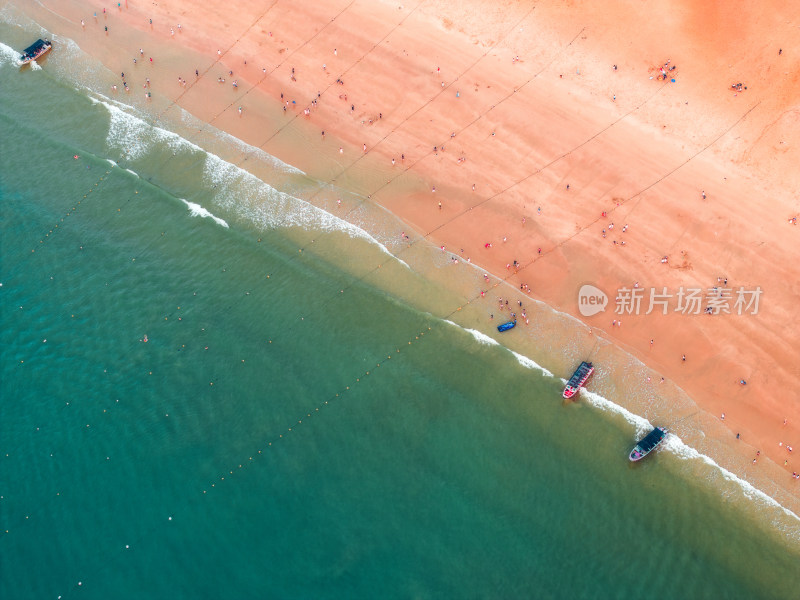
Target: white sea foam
x: 68, y: 49
x: 126, y: 108
x: 641, y: 424
x: 259, y: 154
x: 133, y: 137
x: 8, y: 55
x: 111, y: 162
x: 686, y: 452
x: 480, y: 337
x: 531, y: 364
x: 199, y: 211
x: 134, y: 173
x: 250, y: 197
x: 484, y: 339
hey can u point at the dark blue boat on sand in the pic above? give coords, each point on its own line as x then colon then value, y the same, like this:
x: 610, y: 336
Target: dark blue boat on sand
x: 507, y: 325
x: 34, y: 51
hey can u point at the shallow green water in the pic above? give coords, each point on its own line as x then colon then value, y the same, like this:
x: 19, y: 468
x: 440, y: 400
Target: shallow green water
x: 447, y: 470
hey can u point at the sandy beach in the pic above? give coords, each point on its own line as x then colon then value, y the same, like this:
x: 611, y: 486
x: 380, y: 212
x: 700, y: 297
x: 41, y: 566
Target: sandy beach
x: 554, y: 146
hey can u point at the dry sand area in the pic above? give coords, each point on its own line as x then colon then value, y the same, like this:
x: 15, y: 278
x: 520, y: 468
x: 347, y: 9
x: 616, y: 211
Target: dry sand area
x: 556, y: 113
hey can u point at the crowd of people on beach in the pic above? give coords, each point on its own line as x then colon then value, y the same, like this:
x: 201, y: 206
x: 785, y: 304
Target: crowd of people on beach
x: 348, y: 107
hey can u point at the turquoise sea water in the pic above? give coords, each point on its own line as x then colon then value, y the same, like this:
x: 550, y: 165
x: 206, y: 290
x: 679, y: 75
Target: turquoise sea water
x: 292, y: 429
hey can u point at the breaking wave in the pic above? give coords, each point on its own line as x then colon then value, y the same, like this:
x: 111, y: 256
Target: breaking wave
x: 199, y: 211
x: 234, y: 189
x: 8, y: 56
x: 241, y: 192
x: 485, y: 340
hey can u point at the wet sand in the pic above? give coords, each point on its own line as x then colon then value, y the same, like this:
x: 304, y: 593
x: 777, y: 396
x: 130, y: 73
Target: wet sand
x: 525, y: 104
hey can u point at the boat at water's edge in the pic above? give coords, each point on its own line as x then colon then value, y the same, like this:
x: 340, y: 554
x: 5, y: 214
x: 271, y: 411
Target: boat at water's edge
x: 647, y: 444
x: 578, y: 379
x: 36, y: 50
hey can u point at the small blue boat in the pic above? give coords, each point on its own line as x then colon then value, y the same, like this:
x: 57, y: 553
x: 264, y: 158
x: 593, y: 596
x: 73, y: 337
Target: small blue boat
x: 507, y: 325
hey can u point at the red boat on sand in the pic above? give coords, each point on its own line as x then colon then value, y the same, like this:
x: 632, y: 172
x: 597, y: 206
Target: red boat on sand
x: 578, y: 379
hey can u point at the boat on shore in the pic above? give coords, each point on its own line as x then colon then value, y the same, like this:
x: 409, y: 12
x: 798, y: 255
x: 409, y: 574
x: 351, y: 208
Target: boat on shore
x: 507, y: 325
x: 647, y: 444
x: 39, y: 48
x: 578, y: 379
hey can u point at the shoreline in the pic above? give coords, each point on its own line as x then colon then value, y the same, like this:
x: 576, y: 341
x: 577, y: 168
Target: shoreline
x: 569, y: 257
